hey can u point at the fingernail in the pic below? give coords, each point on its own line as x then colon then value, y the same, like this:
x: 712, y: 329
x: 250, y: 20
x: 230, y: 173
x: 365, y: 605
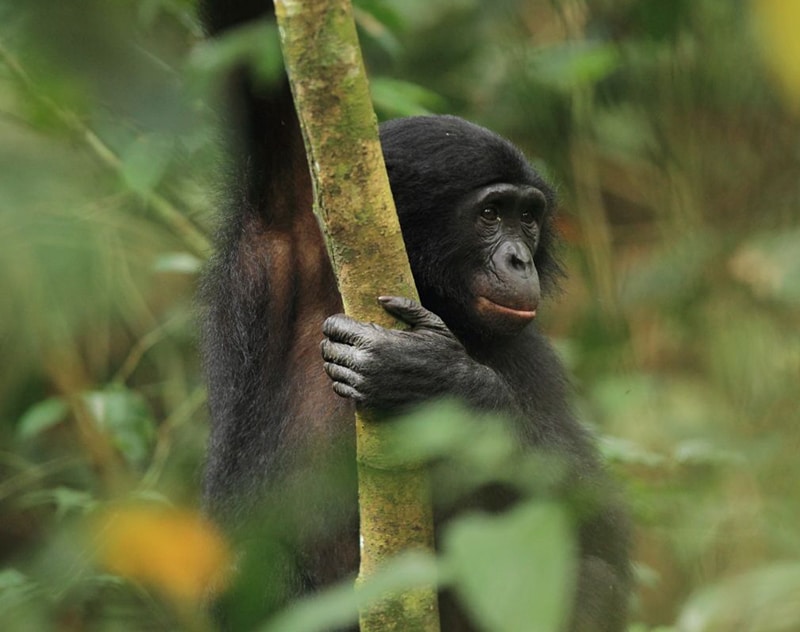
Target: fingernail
x: 384, y: 299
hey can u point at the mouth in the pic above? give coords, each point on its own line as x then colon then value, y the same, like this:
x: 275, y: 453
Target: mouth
x: 489, y: 306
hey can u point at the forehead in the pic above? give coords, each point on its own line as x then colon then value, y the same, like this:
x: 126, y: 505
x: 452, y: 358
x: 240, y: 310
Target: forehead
x: 447, y: 152
x: 435, y: 162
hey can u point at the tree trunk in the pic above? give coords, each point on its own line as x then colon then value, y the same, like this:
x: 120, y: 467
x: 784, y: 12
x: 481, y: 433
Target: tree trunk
x: 354, y: 204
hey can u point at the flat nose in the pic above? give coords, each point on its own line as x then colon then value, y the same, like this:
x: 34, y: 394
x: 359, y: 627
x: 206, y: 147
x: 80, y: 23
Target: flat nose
x: 516, y: 257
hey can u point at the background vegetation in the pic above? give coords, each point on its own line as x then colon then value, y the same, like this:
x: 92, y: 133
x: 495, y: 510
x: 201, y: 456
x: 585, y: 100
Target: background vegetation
x: 672, y: 131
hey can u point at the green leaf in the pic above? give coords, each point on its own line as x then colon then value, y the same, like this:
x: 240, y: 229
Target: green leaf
x: 570, y: 65
x: 16, y: 591
x: 145, y: 161
x: 383, y: 12
x: 125, y: 416
x: 338, y: 605
x: 379, y: 21
x: 11, y: 578
x: 402, y: 98
x: 620, y: 450
x: 445, y: 429
x: 705, y: 452
x: 65, y: 500
x: 256, y: 44
x: 178, y: 262
x: 41, y: 416
x: 514, y: 571
x: 764, y: 600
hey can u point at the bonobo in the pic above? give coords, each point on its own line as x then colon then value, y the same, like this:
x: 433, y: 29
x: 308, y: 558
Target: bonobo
x: 477, y: 221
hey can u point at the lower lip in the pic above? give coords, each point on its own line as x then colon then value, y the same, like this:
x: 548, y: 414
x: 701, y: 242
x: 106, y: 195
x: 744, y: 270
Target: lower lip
x: 485, y: 303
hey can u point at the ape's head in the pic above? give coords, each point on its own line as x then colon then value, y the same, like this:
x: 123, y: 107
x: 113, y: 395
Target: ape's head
x: 476, y: 221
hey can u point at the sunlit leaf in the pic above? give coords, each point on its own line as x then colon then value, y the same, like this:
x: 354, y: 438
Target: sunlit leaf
x: 177, y: 551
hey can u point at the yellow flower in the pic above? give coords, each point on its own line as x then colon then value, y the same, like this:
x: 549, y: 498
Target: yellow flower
x: 177, y: 551
x: 777, y: 24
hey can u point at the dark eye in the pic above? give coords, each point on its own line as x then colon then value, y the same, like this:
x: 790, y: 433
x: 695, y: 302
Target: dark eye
x: 528, y: 217
x: 490, y: 214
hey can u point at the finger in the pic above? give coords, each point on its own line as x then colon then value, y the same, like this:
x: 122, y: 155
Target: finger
x: 341, y: 328
x: 343, y: 390
x: 343, y: 375
x: 341, y: 354
x: 410, y: 312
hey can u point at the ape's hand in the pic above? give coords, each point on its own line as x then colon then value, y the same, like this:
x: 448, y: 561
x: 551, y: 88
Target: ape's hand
x: 389, y: 370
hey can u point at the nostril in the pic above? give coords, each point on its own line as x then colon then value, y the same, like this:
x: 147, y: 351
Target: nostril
x: 519, y: 262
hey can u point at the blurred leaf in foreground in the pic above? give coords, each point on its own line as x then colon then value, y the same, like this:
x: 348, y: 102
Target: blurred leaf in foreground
x: 513, y: 571
x: 337, y: 606
x: 174, y: 550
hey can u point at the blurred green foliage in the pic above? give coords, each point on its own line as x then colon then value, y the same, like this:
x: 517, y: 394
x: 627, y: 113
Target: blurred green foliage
x: 672, y: 131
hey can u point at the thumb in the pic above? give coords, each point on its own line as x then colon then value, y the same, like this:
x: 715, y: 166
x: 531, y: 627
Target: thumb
x: 411, y: 312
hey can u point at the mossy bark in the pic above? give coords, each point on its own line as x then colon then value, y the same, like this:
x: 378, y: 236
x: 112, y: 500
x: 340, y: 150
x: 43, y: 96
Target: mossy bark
x: 354, y: 205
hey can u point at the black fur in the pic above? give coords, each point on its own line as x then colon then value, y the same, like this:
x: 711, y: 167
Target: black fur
x: 270, y: 291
